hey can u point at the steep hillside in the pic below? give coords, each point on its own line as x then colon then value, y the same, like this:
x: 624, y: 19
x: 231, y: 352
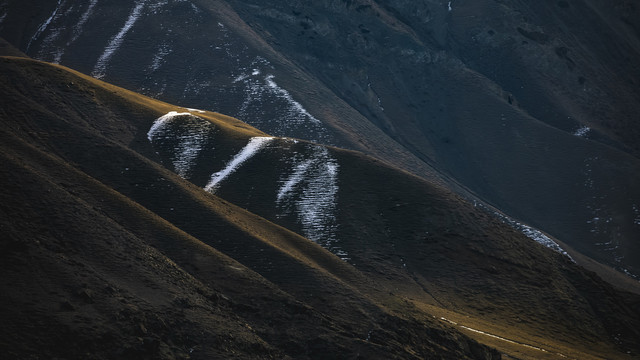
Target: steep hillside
x: 528, y: 106
x: 513, y: 99
x: 112, y: 255
x: 108, y: 250
x: 418, y: 240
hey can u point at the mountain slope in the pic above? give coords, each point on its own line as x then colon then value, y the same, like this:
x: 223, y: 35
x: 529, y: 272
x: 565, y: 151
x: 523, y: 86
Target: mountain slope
x: 108, y: 230
x: 470, y: 91
x: 81, y: 247
x: 93, y: 252
x: 527, y: 106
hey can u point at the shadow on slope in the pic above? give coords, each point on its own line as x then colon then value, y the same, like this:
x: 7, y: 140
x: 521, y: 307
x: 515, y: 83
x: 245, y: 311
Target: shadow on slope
x: 108, y: 231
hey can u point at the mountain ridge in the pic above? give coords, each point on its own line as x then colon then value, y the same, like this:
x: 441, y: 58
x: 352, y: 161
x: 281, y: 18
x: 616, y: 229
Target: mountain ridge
x: 150, y: 341
x: 507, y: 102
x: 415, y: 245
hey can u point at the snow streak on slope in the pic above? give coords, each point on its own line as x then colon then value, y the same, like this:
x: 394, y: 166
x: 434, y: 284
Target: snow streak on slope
x: 158, y: 58
x: 116, y: 41
x: 310, y: 193
x: 58, y: 32
x: 295, y: 108
x: 47, y: 47
x: 533, y: 234
x: 44, y: 25
x: 254, y: 145
x: 222, y: 71
x: 185, y: 134
x: 538, y: 236
x: 262, y: 93
x: 77, y: 29
x: 306, y: 194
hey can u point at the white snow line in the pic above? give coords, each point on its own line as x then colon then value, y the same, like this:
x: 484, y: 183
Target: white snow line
x: 3, y: 17
x: 310, y: 192
x: 294, y: 179
x: 449, y: 6
x: 252, y: 147
x: 116, y: 41
x: 77, y: 29
x: 532, y: 233
x: 285, y: 94
x: 44, y: 25
x: 196, y: 110
x: 161, y: 122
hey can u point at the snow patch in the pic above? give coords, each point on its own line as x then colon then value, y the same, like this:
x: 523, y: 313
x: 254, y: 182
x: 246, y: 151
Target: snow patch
x: 532, y: 233
x: 310, y: 192
x: 449, y: 6
x: 44, y: 25
x: 254, y: 145
x: 162, y: 121
x: 189, y: 137
x: 538, y: 236
x: 47, y: 44
x: 77, y: 29
x: 57, y: 56
x: 2, y: 17
x: 158, y: 58
x: 582, y: 131
x: 294, y: 179
x: 296, y: 107
x: 116, y: 41
x: 263, y: 94
x: 155, y: 8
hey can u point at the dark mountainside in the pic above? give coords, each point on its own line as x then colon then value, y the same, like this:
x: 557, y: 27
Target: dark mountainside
x: 527, y: 106
x: 116, y: 240
x: 107, y: 251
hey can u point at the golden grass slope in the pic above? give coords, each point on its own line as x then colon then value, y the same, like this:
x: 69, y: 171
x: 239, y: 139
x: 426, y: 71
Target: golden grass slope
x: 187, y: 274
x: 77, y: 153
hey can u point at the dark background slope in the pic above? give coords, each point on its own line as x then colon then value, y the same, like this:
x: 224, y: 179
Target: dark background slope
x: 471, y: 91
x: 530, y: 105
